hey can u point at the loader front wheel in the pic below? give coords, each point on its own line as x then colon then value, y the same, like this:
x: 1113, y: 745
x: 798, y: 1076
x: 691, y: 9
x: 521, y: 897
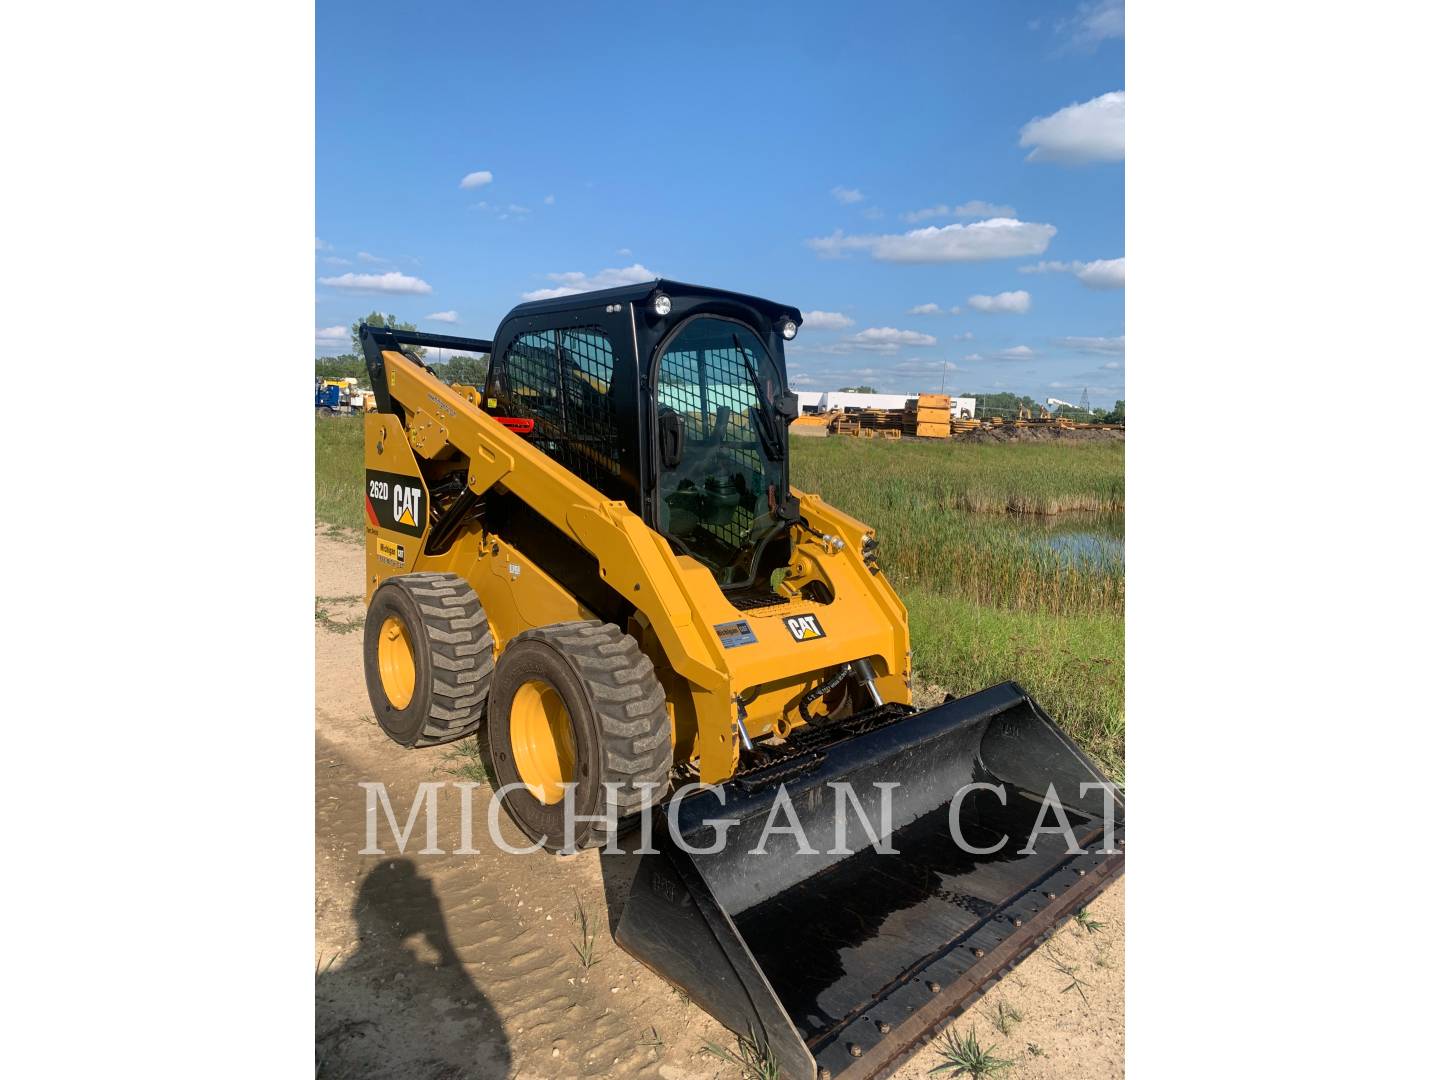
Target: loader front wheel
x: 577, y: 703
x: 429, y: 657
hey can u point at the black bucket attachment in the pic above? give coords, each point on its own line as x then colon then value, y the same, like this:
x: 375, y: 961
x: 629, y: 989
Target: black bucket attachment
x: 840, y: 963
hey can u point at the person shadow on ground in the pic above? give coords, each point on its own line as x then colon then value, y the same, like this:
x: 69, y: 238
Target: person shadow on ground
x: 403, y: 1004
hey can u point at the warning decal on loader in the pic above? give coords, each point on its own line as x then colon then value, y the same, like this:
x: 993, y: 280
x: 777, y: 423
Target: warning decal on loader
x: 804, y: 627
x: 396, y: 502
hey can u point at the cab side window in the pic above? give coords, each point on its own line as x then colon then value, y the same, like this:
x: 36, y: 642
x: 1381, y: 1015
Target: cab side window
x: 562, y: 379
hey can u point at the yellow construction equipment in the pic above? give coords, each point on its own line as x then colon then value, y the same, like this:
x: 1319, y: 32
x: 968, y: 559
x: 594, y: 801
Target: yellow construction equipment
x: 928, y: 416
x: 596, y: 565
x: 811, y: 424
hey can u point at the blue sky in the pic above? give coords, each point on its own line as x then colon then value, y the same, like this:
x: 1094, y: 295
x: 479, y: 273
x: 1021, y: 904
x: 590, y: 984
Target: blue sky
x: 943, y: 183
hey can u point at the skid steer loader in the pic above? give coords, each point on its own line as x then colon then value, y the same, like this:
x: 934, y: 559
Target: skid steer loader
x: 596, y: 564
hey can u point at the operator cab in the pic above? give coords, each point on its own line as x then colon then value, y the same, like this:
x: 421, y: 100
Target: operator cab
x: 672, y: 398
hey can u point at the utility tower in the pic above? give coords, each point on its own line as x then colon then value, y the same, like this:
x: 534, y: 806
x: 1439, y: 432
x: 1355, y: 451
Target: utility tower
x: 1085, y: 399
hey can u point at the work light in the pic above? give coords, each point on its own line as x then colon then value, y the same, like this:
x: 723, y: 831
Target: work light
x: 660, y: 305
x: 789, y: 329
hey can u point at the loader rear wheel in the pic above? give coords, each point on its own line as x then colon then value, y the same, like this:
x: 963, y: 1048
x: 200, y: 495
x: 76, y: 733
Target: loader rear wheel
x: 429, y: 658
x: 577, y: 703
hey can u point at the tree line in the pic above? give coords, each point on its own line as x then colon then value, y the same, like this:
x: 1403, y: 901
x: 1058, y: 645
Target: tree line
x: 351, y: 365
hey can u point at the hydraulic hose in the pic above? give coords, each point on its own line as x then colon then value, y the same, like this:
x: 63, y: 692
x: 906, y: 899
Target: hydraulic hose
x: 821, y: 690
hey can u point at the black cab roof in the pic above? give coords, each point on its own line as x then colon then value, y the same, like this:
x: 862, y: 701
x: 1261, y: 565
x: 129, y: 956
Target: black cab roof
x: 642, y: 291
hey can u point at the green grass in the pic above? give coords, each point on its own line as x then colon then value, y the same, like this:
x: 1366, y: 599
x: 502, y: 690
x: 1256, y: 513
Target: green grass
x: 585, y: 947
x: 964, y: 1056
x: 931, y: 509
x: 753, y: 1061
x: 1074, y: 666
x: 464, y: 759
x: 990, y: 598
x: 885, y: 479
x: 340, y: 471
x: 1006, y: 1017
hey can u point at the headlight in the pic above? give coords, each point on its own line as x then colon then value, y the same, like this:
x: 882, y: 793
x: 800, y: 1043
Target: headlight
x: 789, y: 330
x: 660, y: 305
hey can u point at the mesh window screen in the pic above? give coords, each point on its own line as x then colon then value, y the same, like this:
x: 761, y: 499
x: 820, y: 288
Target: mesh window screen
x: 713, y: 497
x: 561, y: 380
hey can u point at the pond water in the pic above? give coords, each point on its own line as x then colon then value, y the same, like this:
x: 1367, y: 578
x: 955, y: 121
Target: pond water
x: 1091, y: 541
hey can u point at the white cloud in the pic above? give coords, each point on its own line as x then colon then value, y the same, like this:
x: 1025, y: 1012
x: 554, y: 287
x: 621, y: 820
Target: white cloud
x: 444, y: 316
x: 321, y: 245
x: 477, y: 179
x: 573, y: 281
x: 332, y: 335
x: 1102, y: 274
x: 393, y: 282
x: 972, y: 356
x: 926, y: 309
x: 847, y: 194
x: 916, y: 366
x: 1005, y: 303
x: 925, y: 214
x: 1094, y: 22
x: 623, y: 251
x: 975, y: 208
x: 1097, y: 274
x: 872, y: 213
x: 335, y: 260
x: 889, y: 339
x: 1079, y: 133
x: 366, y: 257
x: 827, y: 320
x: 1103, y: 346
x: 995, y: 238
x: 1017, y: 352
x: 549, y: 200
x: 1112, y: 365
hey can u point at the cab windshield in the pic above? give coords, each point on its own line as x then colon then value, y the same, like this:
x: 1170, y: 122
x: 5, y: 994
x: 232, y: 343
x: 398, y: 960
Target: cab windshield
x: 722, y: 447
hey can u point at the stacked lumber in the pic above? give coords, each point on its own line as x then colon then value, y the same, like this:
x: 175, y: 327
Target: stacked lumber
x: 880, y: 419
x: 927, y: 417
x: 844, y: 425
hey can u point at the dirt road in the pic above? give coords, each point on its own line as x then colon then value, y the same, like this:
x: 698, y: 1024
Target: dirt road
x: 454, y: 965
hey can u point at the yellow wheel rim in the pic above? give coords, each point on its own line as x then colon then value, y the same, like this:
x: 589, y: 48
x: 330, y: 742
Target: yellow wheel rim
x: 541, y: 740
x: 397, y: 663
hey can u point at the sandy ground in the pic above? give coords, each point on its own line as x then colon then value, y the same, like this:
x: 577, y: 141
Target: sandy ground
x: 445, y: 965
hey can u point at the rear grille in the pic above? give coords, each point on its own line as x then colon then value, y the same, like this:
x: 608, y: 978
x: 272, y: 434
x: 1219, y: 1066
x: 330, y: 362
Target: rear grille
x: 752, y: 601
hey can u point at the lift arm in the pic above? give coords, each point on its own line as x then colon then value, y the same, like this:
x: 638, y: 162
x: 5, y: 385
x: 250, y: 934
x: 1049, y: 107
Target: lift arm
x: 633, y: 560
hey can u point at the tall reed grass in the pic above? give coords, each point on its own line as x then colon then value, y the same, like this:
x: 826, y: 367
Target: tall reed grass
x: 1027, y: 478
x: 925, y: 505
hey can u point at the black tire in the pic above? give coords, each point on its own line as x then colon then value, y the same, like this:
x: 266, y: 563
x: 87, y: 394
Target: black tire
x: 453, y: 653
x: 618, y: 724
